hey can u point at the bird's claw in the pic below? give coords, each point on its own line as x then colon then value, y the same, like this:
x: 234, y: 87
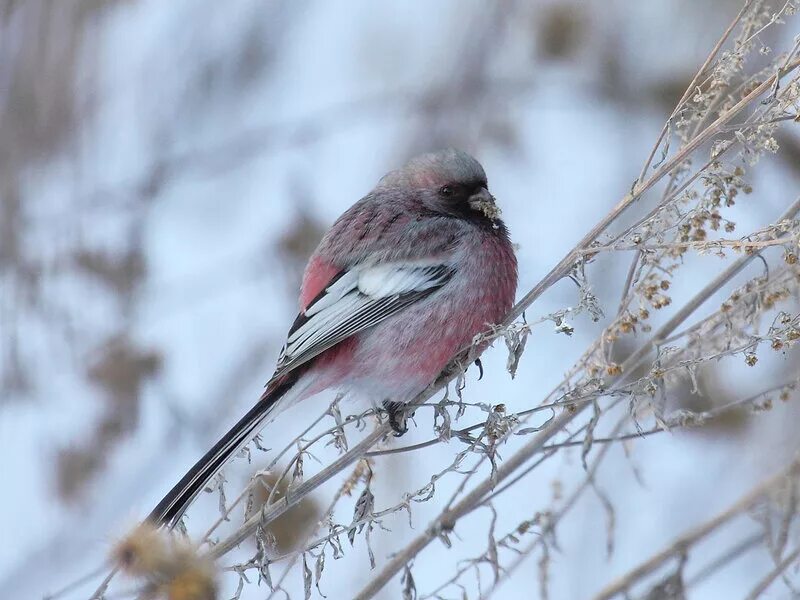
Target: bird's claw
x: 398, y: 416
x: 479, y: 364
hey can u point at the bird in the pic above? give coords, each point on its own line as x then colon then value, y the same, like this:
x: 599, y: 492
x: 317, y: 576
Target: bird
x: 399, y: 285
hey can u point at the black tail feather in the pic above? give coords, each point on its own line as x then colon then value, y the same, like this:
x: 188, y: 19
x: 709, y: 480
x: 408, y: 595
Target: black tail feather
x: 171, y: 508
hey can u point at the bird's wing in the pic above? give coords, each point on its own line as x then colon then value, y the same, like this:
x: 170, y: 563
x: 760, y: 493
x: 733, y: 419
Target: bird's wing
x: 355, y: 300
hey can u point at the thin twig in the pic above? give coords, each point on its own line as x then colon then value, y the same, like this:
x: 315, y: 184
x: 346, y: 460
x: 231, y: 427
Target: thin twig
x: 729, y: 555
x: 557, y: 516
x: 700, y: 246
x: 685, y: 541
x: 564, y: 266
x: 272, y: 512
x: 693, y: 83
x: 770, y: 577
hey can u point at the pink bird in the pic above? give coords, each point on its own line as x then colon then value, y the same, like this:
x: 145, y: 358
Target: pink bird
x: 400, y: 284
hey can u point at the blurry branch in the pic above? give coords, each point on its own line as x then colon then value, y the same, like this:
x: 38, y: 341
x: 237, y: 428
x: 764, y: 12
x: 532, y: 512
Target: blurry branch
x: 728, y: 556
x: 779, y: 570
x: 685, y: 542
x: 243, y: 147
x: 77, y: 583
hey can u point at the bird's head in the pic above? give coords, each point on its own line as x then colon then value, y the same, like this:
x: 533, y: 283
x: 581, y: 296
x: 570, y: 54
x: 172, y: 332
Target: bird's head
x: 448, y: 182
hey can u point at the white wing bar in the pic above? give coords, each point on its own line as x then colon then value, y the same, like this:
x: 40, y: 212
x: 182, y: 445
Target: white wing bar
x: 357, y: 300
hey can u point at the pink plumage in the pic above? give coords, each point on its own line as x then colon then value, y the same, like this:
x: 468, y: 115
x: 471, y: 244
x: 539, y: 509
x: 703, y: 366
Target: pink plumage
x: 318, y: 275
x: 402, y: 281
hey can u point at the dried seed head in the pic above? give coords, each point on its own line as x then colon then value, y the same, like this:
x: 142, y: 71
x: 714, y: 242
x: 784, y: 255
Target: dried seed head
x: 661, y: 301
x: 626, y: 326
x: 488, y: 208
x: 613, y: 369
x: 142, y: 552
x: 171, y: 568
x: 193, y: 583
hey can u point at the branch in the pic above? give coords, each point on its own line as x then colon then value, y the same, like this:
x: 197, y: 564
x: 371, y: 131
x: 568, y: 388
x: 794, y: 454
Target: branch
x: 564, y: 266
x: 275, y: 510
x: 762, y: 585
x: 694, y: 83
x: 683, y: 543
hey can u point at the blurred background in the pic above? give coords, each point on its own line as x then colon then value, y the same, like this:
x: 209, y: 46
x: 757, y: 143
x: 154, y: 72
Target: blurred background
x: 167, y: 167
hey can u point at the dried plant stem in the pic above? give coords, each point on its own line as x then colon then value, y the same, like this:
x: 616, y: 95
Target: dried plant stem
x: 275, y: 510
x: 447, y: 519
x: 100, y: 592
x: 770, y: 577
x: 247, y: 488
x: 704, y: 246
x: 629, y: 279
x: 731, y: 554
x: 694, y: 82
x: 557, y: 516
x: 683, y: 543
x: 354, y: 477
x: 709, y: 132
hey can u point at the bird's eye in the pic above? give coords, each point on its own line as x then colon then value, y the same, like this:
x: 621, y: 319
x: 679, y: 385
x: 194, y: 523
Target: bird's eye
x: 446, y: 191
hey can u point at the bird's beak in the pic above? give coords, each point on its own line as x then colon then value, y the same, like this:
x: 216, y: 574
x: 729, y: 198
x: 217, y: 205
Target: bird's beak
x: 483, y: 202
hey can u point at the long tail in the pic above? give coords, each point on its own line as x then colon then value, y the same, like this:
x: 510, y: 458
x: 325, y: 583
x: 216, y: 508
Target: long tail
x: 171, y: 508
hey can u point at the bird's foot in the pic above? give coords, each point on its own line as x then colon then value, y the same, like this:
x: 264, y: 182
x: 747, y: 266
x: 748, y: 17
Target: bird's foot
x: 398, y: 416
x: 479, y: 364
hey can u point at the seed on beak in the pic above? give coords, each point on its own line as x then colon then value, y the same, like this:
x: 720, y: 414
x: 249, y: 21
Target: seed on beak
x: 483, y: 202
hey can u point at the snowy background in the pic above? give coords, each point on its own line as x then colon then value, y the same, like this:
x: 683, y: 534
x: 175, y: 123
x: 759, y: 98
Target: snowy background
x: 166, y: 168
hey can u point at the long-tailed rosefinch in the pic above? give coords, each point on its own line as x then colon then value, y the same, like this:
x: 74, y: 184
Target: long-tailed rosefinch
x: 399, y: 285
